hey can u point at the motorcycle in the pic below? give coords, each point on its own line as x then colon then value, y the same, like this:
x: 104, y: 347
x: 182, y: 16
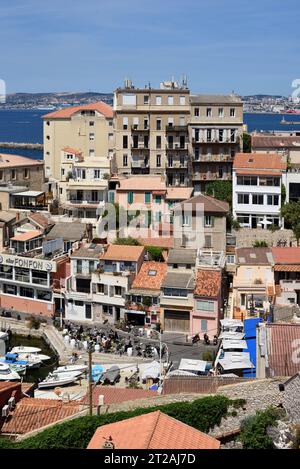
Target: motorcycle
x: 206, y: 339
x: 195, y: 339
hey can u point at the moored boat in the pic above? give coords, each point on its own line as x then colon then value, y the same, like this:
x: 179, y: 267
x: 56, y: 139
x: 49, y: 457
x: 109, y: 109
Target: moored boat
x: 58, y: 379
x: 7, y: 374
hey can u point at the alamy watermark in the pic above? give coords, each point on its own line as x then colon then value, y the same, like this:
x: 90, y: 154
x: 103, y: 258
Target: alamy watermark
x: 2, y: 91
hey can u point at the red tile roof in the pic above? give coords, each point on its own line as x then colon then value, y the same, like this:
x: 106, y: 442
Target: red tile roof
x: 74, y: 151
x: 287, y: 255
x: 152, y: 282
x: 161, y: 242
x: 39, y: 219
x: 33, y: 413
x: 123, y: 253
x: 208, y: 283
x: 282, y: 340
x: 27, y: 235
x: 261, y: 161
x: 113, y: 395
x: 287, y: 268
x: 274, y: 141
x: 143, y: 183
x: 67, y: 112
x: 152, y: 431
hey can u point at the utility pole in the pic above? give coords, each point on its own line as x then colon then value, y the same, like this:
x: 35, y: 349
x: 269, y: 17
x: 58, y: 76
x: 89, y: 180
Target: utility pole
x: 90, y: 351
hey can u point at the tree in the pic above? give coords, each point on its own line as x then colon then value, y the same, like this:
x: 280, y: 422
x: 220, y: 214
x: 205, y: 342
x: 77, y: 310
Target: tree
x: 221, y: 190
x: 246, y: 142
x: 296, y: 231
x: 127, y: 241
x: 260, y: 244
x: 291, y: 214
x: 155, y: 253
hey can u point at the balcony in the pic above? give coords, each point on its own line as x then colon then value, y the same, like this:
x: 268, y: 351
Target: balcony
x: 140, y: 164
x: 290, y: 285
x: 176, y: 128
x: 176, y: 164
x: 211, y: 177
x: 213, y: 158
x: 136, y: 128
x: 141, y: 146
x: 177, y: 147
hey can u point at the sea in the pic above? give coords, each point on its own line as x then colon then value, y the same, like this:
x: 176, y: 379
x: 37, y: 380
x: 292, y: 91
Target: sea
x: 26, y: 126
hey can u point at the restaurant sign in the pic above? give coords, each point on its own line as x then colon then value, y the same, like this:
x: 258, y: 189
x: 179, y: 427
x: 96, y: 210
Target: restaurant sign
x: 27, y: 263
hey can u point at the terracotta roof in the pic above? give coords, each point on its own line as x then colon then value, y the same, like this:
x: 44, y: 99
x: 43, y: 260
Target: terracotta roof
x: 39, y: 219
x: 123, y: 253
x: 179, y: 193
x: 254, y: 256
x: 98, y: 106
x: 208, y: 283
x: 11, y: 161
x: 211, y: 205
x: 287, y: 268
x: 257, y: 172
x: 152, y: 431
x: 33, y: 413
x: 151, y: 282
x: 287, y: 255
x: 74, y: 151
x: 161, y: 241
x: 113, y: 395
x: 274, y: 141
x: 27, y: 235
x: 258, y: 161
x: 142, y: 183
x: 281, y: 340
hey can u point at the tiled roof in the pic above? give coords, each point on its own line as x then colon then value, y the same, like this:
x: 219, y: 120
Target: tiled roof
x: 256, y: 161
x: 215, y: 99
x: 254, y: 256
x: 182, y: 256
x: 27, y: 235
x: 287, y: 255
x: 258, y: 172
x: 274, y: 141
x: 142, y: 183
x: 161, y: 242
x: 179, y: 279
x: 11, y: 161
x: 39, y: 219
x: 74, y: 151
x: 113, y: 395
x: 210, y: 204
x: 281, y: 340
x: 179, y: 193
x: 98, y: 106
x: 208, y: 283
x: 88, y: 252
x: 152, y: 431
x: 151, y: 282
x: 123, y: 253
x: 287, y: 268
x: 33, y: 413
x: 74, y: 231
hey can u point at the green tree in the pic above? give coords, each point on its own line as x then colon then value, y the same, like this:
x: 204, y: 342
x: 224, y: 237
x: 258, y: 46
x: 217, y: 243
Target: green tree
x: 221, y: 190
x: 260, y: 244
x: 283, y: 194
x: 127, y: 241
x: 246, y: 142
x: 291, y: 214
x: 155, y: 253
x: 254, y: 429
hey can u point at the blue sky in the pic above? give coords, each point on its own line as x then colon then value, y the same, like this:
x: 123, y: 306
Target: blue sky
x: 248, y: 46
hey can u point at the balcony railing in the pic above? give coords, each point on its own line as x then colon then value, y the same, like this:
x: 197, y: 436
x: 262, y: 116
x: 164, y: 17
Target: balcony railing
x: 290, y: 284
x: 176, y: 128
x: 176, y: 164
x: 177, y: 147
x: 211, y: 177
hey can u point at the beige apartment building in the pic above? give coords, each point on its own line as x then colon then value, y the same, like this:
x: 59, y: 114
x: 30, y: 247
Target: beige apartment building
x: 87, y: 128
x: 215, y: 135
x: 151, y: 131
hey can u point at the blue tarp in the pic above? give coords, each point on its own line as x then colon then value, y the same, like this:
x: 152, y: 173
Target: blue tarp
x: 250, y: 337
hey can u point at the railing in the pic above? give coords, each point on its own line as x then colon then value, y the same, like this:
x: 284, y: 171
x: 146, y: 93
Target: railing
x: 177, y: 146
x: 176, y: 128
x: 290, y: 284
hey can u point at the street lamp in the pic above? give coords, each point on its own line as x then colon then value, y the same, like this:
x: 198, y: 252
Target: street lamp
x: 90, y: 350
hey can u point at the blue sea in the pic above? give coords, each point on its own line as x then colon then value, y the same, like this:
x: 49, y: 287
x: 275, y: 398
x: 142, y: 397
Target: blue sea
x: 26, y: 126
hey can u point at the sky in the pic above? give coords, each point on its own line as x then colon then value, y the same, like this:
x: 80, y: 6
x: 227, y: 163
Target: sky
x: 246, y: 46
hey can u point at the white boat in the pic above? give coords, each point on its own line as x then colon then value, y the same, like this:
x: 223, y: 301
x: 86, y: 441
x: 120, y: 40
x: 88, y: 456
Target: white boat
x: 71, y: 368
x: 58, y: 379
x: 7, y: 374
x: 23, y: 349
x: 34, y: 356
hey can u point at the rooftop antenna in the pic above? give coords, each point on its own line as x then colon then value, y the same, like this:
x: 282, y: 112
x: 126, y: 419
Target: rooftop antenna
x: 184, y: 81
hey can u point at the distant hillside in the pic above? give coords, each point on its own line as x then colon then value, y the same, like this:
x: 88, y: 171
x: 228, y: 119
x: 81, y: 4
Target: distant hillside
x: 34, y: 100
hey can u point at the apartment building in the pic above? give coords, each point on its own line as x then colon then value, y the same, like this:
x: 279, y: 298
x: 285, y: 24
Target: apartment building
x: 87, y: 128
x: 287, y: 275
x: 21, y: 171
x: 215, y: 136
x: 256, y: 189
x: 151, y: 131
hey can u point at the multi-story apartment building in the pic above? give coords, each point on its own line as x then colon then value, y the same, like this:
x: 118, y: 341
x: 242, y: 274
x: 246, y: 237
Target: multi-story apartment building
x: 21, y: 171
x: 87, y: 128
x: 151, y: 131
x: 215, y: 136
x: 287, y: 275
x: 256, y: 189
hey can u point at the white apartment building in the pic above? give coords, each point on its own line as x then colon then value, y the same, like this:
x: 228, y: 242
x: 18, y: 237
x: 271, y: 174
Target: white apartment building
x: 256, y: 189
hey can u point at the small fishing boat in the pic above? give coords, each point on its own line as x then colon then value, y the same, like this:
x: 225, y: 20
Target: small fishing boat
x: 7, y: 374
x: 23, y: 349
x: 71, y: 368
x: 58, y: 379
x: 12, y: 359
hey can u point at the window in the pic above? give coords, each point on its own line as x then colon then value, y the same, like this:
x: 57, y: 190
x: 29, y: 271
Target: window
x: 44, y: 295
x: 88, y: 311
x: 204, y: 325
x: 1, y: 175
x: 232, y: 135
x: 158, y: 124
x: 125, y: 123
x: 100, y: 288
x: 170, y: 161
x: 208, y: 135
x: 186, y: 220
x: 170, y: 100
x: 135, y: 122
x: 158, y: 100
x: 79, y: 266
x: 147, y: 197
x: 221, y: 135
x: 118, y: 291
x: 130, y: 197
x: 92, y: 153
x: 230, y: 259
x: 125, y: 141
x: 208, y: 220
x: 208, y: 112
x: 257, y: 199
x: 181, y: 178
x: 175, y: 292
x: 170, y: 121
x: 129, y: 99
x: 110, y: 137
x: 13, y: 174
x: 92, y: 137
x: 182, y: 121
x: 207, y: 241
x: 273, y: 200
x: 182, y: 100
x: 247, y: 181
x: 158, y: 161
x: 135, y: 143
x: 40, y: 277
x: 157, y: 199
x: 146, y: 124
x: 221, y: 112
x: 146, y: 99
x: 97, y: 174
x: 125, y: 160
x: 158, y: 142
x: 204, y: 305
x: 220, y: 171
x: 27, y: 292
x: 91, y: 123
x: 196, y: 112
x: 10, y: 289
x: 243, y: 299
x: 232, y: 112
x: 152, y: 273
x: 26, y: 173
x: 243, y: 199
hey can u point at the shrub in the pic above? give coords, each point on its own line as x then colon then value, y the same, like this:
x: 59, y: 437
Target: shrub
x: 127, y: 241
x: 260, y: 244
x: 155, y: 253
x: 208, y: 356
x: 254, y: 429
x: 34, y: 323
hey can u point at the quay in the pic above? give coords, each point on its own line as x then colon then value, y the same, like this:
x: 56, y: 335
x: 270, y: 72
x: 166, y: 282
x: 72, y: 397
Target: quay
x: 23, y: 146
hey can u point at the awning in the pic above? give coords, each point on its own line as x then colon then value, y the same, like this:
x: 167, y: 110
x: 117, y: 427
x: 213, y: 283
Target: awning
x: 192, y: 365
x: 257, y: 172
x: 236, y: 361
x: 228, y: 344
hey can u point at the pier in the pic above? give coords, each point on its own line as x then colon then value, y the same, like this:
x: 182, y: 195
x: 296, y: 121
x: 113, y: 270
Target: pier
x: 23, y: 146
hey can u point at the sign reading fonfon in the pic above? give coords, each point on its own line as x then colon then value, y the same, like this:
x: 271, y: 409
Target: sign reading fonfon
x: 27, y: 263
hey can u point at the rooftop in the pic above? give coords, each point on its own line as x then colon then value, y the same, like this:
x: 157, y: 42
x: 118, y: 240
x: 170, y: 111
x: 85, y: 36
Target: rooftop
x: 74, y: 151
x: 208, y: 283
x: 91, y: 251
x: 210, y: 204
x: 179, y: 193
x: 67, y: 231
x: 142, y: 183
x: 280, y: 342
x: 154, y: 430
x: 182, y: 256
x: 11, y: 161
x: 259, y: 161
x: 116, y: 252
x: 287, y: 255
x: 7, y: 216
x: 150, y: 276
x: 254, y: 256
x: 68, y: 112
x: 274, y: 141
x: 113, y: 395
x: 210, y: 259
x: 39, y: 219
x: 215, y: 99
x: 179, y: 279
x: 27, y: 235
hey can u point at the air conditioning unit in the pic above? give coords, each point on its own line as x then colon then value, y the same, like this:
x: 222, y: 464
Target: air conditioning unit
x: 5, y: 411
x: 11, y: 402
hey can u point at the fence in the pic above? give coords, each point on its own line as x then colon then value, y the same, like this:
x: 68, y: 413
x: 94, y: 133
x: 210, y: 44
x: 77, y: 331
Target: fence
x: 198, y: 384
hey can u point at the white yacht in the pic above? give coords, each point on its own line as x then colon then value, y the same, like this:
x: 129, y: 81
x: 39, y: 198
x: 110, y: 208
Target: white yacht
x: 7, y: 374
x: 59, y: 379
x: 23, y: 349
